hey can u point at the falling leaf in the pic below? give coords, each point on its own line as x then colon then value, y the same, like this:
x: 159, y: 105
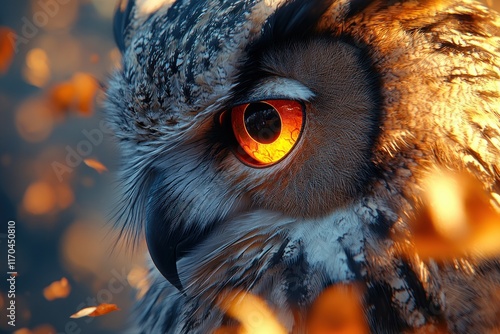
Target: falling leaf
x: 456, y: 217
x: 95, y: 311
x: 76, y: 94
x: 104, y: 309
x: 86, y: 89
x: 96, y: 165
x: 84, y: 312
x: 57, y: 290
x: 253, y: 314
x: 62, y: 96
x: 338, y: 310
x: 7, y: 48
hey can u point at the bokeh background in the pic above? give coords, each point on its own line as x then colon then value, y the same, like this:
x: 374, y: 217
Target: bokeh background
x: 55, y: 182
x: 50, y: 95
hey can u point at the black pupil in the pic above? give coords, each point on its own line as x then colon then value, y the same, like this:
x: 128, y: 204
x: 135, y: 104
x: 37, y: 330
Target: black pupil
x: 262, y: 122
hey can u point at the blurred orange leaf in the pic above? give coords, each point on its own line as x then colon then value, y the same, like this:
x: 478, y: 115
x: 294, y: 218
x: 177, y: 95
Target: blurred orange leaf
x: 62, y: 96
x: 338, y: 310
x: 96, y: 165
x: 95, y: 311
x: 253, y: 314
x: 7, y: 48
x: 456, y: 217
x: 57, y: 289
x: 76, y: 94
x: 86, y: 88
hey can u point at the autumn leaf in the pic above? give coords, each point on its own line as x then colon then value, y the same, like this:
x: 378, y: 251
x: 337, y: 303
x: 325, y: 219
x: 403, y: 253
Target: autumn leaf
x: 84, y: 312
x: 96, y: 165
x: 77, y: 94
x: 338, y: 310
x: 57, y: 290
x: 86, y: 87
x: 7, y: 48
x: 253, y: 314
x: 62, y: 96
x: 456, y: 217
x: 95, y: 311
x: 104, y: 309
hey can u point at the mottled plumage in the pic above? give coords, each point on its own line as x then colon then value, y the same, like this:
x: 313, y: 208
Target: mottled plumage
x: 391, y: 90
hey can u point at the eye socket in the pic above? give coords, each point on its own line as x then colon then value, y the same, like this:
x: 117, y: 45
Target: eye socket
x: 266, y: 131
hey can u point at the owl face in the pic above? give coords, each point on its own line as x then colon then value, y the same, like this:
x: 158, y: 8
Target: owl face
x: 277, y: 146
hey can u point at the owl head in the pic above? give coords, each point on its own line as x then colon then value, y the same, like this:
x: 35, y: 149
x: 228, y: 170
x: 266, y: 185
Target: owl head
x: 263, y: 136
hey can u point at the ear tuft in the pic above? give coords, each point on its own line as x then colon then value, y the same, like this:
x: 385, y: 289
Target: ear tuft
x: 121, y: 22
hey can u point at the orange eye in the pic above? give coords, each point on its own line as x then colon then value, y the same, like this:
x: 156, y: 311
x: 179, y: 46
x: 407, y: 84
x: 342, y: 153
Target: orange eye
x: 266, y: 131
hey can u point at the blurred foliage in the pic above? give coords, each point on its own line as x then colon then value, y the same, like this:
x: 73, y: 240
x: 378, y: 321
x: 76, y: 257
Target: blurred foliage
x: 55, y: 57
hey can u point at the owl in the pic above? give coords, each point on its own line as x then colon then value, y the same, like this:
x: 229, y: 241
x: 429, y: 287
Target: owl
x: 278, y: 148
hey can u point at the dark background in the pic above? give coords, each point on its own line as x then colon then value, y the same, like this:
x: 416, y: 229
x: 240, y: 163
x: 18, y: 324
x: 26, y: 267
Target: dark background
x: 48, y: 99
